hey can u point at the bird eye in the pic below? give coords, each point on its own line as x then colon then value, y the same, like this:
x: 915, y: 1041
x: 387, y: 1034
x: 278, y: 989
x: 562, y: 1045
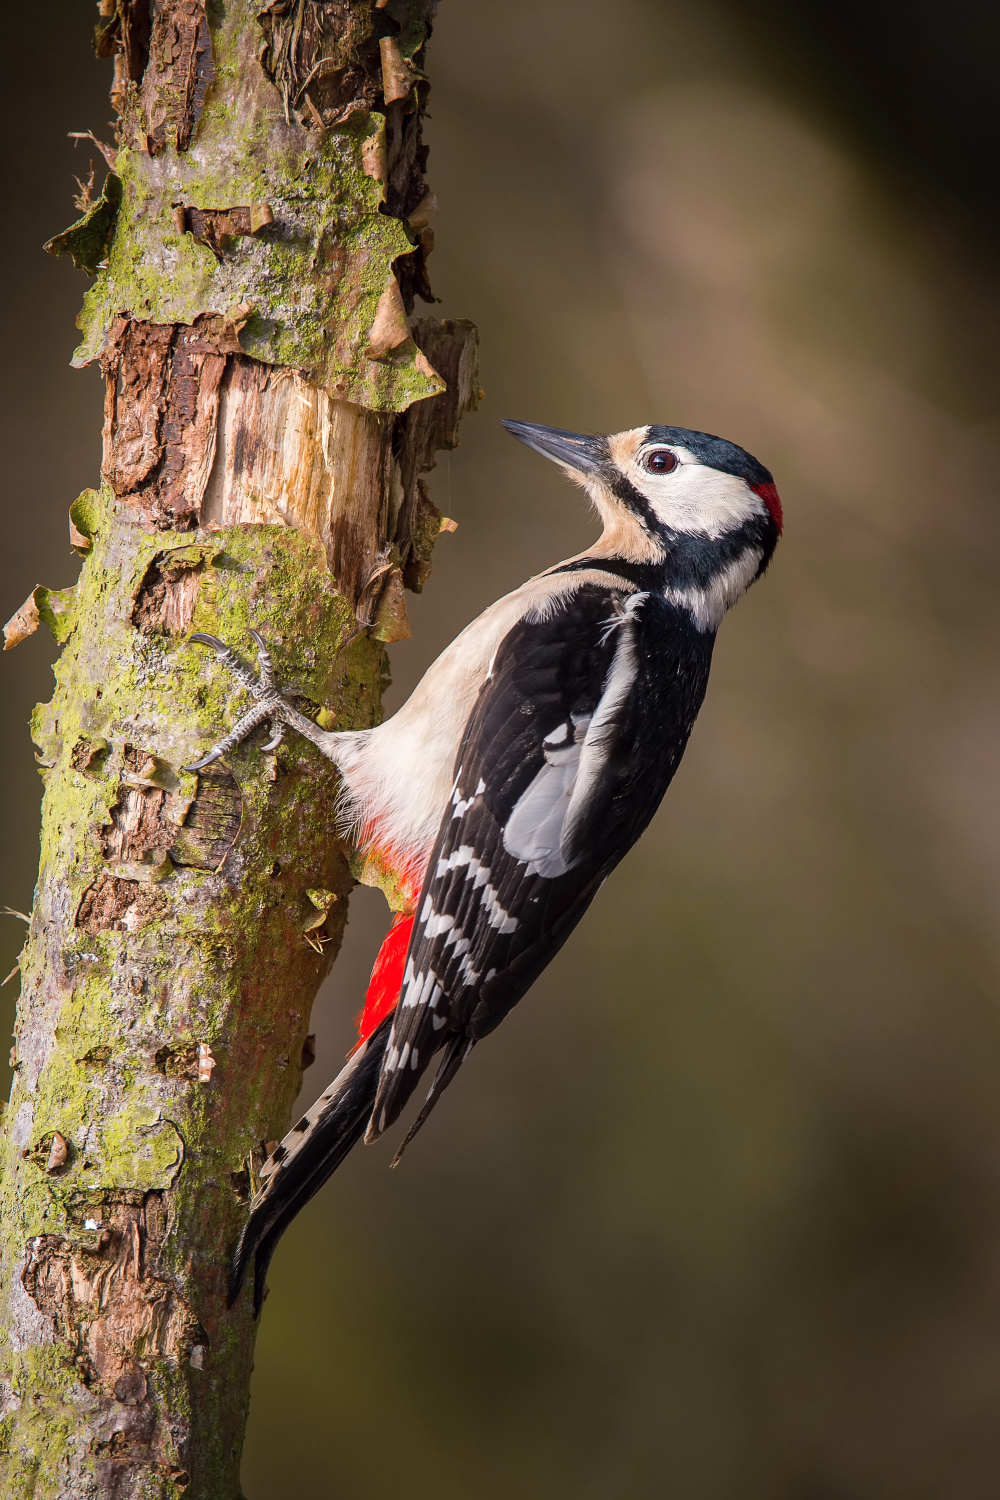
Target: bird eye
x: 659, y: 461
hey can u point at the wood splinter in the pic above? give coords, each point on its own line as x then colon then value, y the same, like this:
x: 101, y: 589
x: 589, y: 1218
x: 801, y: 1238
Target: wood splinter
x: 58, y: 1153
x: 398, y: 76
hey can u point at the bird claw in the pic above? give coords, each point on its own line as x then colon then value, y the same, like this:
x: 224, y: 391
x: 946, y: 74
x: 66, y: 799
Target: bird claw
x: 270, y: 706
x: 206, y: 760
x: 265, y: 666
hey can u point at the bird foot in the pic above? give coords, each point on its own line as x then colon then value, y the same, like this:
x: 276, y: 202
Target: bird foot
x: 269, y: 706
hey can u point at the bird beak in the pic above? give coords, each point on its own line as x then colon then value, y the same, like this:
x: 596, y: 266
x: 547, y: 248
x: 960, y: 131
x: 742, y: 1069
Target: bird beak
x: 574, y: 450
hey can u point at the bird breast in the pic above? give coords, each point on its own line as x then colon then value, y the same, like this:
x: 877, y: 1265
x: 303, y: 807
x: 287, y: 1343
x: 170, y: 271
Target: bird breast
x: 398, y: 777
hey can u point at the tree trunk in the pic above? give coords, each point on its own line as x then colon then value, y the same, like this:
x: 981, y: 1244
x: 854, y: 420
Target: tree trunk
x: 270, y: 409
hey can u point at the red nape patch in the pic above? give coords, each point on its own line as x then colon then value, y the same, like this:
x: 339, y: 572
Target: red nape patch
x: 769, y: 494
x: 387, y: 977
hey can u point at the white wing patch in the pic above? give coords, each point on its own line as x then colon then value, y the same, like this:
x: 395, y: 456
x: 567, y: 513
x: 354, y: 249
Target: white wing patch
x: 540, y: 829
x: 534, y: 828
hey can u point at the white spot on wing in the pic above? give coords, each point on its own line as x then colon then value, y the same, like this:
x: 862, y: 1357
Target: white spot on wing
x: 497, y: 916
x: 479, y: 874
x: 468, y: 973
x: 423, y: 991
x: 436, y: 922
x: 456, y: 858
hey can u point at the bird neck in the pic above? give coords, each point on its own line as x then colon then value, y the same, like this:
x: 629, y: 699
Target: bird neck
x: 705, y: 576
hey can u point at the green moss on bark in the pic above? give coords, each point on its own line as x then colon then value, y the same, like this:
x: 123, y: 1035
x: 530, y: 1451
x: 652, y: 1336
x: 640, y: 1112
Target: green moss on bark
x: 313, y: 277
x: 183, y: 922
x: 117, y: 1008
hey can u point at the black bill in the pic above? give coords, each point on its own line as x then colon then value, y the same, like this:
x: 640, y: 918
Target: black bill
x: 575, y: 450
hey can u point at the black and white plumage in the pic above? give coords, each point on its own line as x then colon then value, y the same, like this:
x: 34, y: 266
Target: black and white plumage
x: 528, y: 761
x: 564, y: 760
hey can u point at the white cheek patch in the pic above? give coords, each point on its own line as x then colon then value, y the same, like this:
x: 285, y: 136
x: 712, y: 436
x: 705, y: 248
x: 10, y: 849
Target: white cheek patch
x: 694, y: 498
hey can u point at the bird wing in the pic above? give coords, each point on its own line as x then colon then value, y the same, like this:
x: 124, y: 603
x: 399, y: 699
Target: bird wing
x: 545, y: 802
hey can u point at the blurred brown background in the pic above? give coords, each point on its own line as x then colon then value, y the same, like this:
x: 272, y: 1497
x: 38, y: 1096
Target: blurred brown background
x: 716, y: 1214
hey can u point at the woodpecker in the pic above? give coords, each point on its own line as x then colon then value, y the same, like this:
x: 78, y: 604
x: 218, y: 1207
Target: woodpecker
x: 524, y: 766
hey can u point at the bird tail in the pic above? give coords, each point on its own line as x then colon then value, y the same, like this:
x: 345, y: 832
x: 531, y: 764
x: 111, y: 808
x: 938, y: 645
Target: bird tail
x: 309, y: 1154
x: 455, y: 1053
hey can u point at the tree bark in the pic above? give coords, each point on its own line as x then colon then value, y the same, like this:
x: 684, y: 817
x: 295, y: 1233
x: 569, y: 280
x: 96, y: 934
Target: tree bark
x: 271, y: 406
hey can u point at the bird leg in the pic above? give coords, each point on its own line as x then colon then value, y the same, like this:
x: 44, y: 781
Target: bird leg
x: 270, y: 706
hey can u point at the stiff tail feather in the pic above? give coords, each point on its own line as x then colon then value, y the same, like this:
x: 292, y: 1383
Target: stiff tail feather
x: 455, y: 1054
x: 310, y: 1152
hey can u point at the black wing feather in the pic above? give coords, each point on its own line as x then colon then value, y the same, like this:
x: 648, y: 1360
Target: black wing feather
x: 489, y: 921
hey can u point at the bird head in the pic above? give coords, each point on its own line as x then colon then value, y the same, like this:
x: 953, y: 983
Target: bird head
x: 667, y: 492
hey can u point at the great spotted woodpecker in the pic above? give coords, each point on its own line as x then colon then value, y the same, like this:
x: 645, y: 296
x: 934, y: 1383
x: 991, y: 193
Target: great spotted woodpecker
x: 527, y: 762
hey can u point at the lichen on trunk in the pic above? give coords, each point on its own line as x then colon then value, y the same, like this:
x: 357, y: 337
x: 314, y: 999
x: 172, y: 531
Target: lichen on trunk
x: 271, y: 407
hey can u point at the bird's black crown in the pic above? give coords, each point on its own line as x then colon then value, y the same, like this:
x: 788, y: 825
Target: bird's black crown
x: 715, y: 452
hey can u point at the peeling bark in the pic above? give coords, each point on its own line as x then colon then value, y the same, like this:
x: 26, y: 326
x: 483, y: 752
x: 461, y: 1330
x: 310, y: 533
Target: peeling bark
x: 271, y: 409
x: 179, y: 68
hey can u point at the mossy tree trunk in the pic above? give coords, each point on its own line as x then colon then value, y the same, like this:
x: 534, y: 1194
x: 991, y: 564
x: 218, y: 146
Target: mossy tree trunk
x: 270, y: 408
